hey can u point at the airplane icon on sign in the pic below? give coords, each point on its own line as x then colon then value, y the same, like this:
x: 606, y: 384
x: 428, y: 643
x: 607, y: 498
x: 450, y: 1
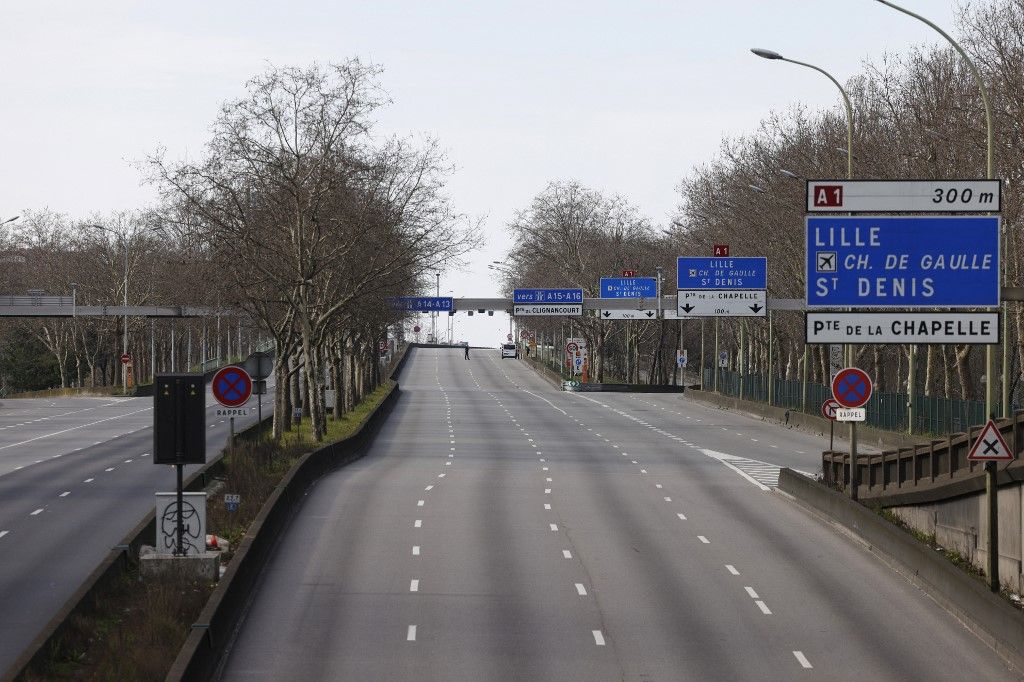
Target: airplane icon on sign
x: 826, y: 261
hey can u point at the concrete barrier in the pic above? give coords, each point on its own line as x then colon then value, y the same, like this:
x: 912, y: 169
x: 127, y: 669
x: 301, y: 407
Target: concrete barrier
x: 988, y: 615
x: 201, y: 654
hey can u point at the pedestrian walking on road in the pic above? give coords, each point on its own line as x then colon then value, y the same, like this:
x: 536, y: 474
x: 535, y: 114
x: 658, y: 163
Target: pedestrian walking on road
x: 467, y: 351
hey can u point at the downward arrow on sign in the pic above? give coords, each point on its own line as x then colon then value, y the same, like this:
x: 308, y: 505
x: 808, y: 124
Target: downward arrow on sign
x: 607, y: 314
x: 687, y: 308
x: 650, y: 313
x: 756, y: 308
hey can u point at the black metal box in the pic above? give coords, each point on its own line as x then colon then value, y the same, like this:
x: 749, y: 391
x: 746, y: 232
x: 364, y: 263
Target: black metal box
x: 179, y: 419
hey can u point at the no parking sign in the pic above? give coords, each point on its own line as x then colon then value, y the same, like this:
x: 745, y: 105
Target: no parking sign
x: 232, y: 388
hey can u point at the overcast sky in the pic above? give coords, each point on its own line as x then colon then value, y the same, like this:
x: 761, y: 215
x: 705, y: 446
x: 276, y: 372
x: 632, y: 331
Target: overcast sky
x: 624, y: 96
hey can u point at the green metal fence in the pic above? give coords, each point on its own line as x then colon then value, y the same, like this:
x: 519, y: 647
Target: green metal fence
x: 932, y: 415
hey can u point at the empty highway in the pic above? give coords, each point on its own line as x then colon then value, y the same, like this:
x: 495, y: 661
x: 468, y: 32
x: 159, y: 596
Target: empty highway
x: 500, y: 529
x: 75, y: 478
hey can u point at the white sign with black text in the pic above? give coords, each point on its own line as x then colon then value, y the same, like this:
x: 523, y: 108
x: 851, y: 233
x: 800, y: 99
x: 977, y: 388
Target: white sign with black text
x: 932, y: 196
x: 547, y: 309
x: 628, y: 314
x: 721, y: 303
x: 905, y: 327
x: 850, y: 414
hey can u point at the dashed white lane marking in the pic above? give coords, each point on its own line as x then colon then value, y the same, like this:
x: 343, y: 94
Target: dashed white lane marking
x: 764, y: 607
x: 36, y: 512
x: 89, y: 480
x: 581, y: 590
x: 429, y: 487
x: 419, y: 503
x: 565, y: 553
x: 668, y: 499
x: 704, y: 539
x: 656, y: 485
x: 4, y: 532
x: 547, y: 491
x: 415, y: 550
x: 802, y: 659
x: 441, y: 475
x: 129, y: 461
x: 751, y: 592
x: 418, y: 523
x: 547, y: 506
x: 732, y: 569
x: 109, y: 469
x: 682, y: 517
x: 548, y: 480
x: 414, y: 585
x: 411, y: 634
x: 553, y: 526
x: 65, y: 493
x: 598, y: 637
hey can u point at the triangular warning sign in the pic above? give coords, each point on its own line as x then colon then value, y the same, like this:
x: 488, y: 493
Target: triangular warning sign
x: 990, y: 446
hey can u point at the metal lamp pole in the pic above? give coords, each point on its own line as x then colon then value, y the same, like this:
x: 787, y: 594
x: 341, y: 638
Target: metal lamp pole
x: 990, y: 467
x: 848, y: 349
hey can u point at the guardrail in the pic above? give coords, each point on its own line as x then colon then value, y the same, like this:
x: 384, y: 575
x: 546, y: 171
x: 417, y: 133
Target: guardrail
x: 937, y: 469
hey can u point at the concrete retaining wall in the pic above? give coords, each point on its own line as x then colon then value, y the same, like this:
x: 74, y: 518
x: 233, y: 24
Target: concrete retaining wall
x: 215, y: 627
x: 961, y: 524
x: 988, y: 615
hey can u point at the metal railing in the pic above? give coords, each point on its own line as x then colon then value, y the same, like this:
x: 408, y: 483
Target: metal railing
x: 886, y: 410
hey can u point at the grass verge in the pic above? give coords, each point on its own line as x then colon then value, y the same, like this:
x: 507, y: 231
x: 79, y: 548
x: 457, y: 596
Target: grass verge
x: 133, y: 630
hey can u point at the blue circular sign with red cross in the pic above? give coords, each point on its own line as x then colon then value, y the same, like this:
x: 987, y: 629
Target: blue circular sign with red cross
x: 851, y: 387
x: 232, y: 386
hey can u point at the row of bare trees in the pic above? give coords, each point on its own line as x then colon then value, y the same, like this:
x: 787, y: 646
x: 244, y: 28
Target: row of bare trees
x: 293, y: 228
x: 312, y: 222
x: 916, y: 115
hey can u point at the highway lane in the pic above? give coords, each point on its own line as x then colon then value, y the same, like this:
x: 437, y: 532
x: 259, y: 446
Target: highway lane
x: 499, y: 529
x: 75, y: 478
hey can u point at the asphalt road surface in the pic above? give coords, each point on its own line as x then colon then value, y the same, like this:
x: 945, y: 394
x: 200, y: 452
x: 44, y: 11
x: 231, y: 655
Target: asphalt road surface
x: 500, y: 529
x: 75, y: 478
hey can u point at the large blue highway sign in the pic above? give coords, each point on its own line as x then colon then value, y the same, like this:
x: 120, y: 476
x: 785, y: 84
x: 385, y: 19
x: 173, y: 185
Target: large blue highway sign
x: 722, y: 272
x: 629, y: 287
x: 547, y: 296
x: 423, y: 303
x: 903, y: 261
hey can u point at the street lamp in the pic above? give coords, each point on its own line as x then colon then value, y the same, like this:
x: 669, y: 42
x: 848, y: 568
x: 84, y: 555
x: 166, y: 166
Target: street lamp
x: 769, y: 54
x: 990, y: 174
x: 9, y: 220
x: 790, y: 174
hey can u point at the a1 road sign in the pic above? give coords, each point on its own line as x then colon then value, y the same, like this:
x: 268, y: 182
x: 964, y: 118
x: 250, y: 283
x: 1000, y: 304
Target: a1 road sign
x: 902, y: 261
x: 990, y: 446
x: 851, y: 387
x: 232, y: 386
x: 629, y: 287
x: 828, y: 409
x: 721, y: 273
x: 933, y: 196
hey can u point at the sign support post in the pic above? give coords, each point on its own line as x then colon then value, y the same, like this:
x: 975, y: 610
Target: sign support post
x: 715, y: 383
x: 992, y: 493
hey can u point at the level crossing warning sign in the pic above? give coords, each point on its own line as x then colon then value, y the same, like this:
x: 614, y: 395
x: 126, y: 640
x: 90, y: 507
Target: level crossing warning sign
x: 990, y: 446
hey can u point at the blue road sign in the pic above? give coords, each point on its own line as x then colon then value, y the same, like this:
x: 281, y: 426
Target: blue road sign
x: 722, y: 272
x: 629, y: 287
x: 547, y: 296
x: 904, y: 261
x: 423, y: 303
